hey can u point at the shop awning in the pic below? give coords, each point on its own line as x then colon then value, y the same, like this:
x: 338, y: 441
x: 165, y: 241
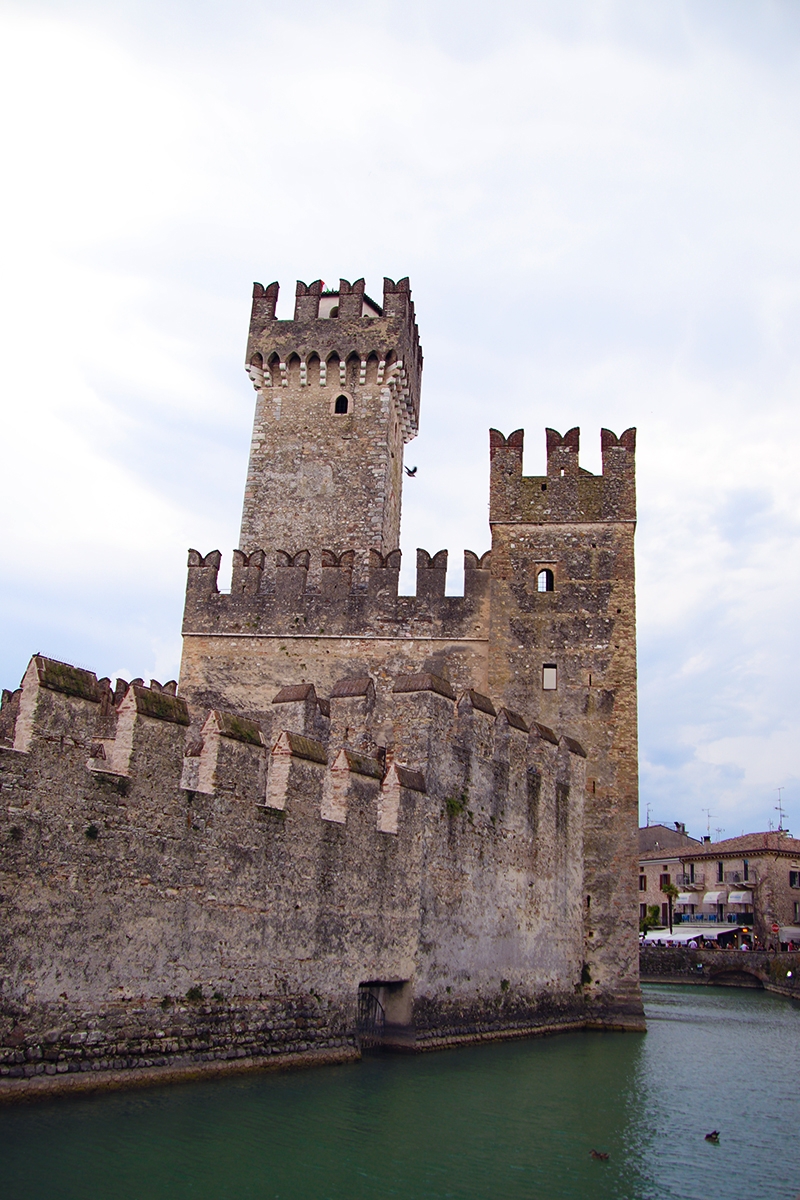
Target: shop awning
x: 714, y: 898
x: 740, y: 898
x: 686, y: 898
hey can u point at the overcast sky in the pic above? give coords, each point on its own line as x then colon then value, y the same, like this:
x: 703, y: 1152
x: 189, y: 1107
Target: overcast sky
x: 597, y: 205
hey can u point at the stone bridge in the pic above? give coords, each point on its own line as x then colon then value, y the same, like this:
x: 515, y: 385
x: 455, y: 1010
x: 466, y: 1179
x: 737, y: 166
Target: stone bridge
x: 724, y: 968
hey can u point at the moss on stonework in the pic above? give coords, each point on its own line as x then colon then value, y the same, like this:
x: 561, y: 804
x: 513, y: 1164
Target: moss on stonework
x: 72, y: 681
x: 162, y: 706
x: 240, y: 729
x: 456, y: 805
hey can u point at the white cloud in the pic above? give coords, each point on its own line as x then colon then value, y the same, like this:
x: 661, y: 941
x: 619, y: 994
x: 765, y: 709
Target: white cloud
x: 597, y: 208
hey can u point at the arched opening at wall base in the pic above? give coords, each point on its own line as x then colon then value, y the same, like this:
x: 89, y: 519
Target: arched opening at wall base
x: 384, y: 1020
x: 734, y: 978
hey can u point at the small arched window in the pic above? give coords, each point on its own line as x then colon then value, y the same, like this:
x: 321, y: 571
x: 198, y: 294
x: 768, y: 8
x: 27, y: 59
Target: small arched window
x: 545, y: 581
x: 341, y: 404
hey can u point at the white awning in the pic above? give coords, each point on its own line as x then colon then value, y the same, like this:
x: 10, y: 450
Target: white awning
x: 714, y: 898
x: 684, y: 933
x: 686, y: 898
x: 740, y: 898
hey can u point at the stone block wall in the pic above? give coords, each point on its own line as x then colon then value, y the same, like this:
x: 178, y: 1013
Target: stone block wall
x: 188, y: 896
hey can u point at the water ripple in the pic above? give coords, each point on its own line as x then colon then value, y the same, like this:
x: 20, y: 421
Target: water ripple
x: 514, y: 1121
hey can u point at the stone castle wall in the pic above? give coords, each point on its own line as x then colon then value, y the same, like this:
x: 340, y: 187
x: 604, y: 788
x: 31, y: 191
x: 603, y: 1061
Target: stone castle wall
x: 309, y: 618
x: 145, y: 865
x: 354, y: 801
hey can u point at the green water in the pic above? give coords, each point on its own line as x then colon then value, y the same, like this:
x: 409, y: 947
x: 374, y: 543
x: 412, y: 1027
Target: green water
x: 512, y: 1120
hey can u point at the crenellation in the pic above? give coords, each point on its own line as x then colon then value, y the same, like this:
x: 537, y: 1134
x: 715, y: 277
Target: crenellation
x: 248, y: 573
x: 567, y: 493
x: 58, y: 702
x: 431, y: 574
x: 232, y: 758
x: 265, y: 300
x: 352, y: 714
x: 9, y: 711
x: 295, y: 770
x: 349, y: 788
x: 306, y: 304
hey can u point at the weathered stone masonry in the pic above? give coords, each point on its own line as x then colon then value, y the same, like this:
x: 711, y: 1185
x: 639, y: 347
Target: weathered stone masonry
x: 352, y: 795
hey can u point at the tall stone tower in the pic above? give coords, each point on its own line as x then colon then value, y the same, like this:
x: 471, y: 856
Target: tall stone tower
x: 338, y: 396
x: 547, y: 622
x: 562, y: 645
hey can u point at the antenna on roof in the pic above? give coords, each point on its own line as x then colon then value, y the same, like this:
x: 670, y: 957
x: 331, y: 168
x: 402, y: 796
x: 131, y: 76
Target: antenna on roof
x: 709, y: 815
x: 718, y: 831
x: 649, y: 808
x: 779, y: 809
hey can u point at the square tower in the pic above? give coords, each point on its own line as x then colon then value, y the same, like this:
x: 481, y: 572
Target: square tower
x: 338, y: 396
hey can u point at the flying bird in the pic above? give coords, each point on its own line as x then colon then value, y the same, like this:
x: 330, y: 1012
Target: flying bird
x: 411, y: 471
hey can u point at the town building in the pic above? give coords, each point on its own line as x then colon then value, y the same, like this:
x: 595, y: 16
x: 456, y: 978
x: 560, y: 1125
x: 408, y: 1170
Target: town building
x: 660, y: 864
x: 358, y: 816
x: 751, y: 881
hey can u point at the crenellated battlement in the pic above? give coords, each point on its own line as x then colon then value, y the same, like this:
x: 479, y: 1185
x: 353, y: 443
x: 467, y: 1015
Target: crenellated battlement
x: 567, y: 493
x: 339, y: 339
x: 414, y: 734
x: 319, y: 592
x: 221, y: 848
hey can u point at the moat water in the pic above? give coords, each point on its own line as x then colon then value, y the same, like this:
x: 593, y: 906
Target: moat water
x: 512, y: 1121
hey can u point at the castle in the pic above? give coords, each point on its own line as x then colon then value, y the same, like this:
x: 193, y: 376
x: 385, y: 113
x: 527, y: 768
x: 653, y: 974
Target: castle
x: 360, y: 817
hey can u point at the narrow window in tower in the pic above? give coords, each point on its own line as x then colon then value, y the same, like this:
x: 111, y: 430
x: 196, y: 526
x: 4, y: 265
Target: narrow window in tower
x: 545, y: 581
x: 549, y: 677
x: 341, y: 404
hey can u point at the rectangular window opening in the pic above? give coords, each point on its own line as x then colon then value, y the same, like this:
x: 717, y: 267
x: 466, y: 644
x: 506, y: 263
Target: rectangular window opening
x: 549, y: 677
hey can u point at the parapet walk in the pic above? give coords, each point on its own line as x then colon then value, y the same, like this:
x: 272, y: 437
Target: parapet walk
x: 408, y: 741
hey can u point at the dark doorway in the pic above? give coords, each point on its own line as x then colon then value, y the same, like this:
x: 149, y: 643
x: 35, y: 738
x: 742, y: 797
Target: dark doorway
x: 371, y: 1020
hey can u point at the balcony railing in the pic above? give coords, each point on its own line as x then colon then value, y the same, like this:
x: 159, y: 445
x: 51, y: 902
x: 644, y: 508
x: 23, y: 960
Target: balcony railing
x: 686, y: 880
x: 739, y: 918
x: 737, y: 877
